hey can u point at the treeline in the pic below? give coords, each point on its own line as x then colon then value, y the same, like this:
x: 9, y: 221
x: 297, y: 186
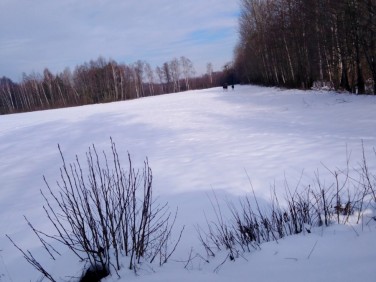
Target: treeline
x: 305, y: 43
x: 101, y: 81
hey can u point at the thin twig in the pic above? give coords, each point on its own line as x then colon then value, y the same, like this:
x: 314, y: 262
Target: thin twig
x: 313, y: 248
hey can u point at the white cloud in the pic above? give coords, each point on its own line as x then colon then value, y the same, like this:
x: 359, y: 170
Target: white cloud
x: 55, y: 34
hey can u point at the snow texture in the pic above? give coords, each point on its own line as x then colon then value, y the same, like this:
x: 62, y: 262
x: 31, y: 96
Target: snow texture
x: 198, y: 142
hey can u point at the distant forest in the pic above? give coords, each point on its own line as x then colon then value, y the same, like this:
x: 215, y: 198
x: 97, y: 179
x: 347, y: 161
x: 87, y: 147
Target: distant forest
x: 290, y: 43
x: 308, y: 43
x: 101, y: 81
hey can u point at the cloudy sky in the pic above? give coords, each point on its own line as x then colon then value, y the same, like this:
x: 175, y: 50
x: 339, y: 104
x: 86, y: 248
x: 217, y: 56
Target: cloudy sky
x: 35, y: 34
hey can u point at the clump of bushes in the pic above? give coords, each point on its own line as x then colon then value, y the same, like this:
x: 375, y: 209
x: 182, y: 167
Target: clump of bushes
x: 249, y: 224
x: 103, y: 212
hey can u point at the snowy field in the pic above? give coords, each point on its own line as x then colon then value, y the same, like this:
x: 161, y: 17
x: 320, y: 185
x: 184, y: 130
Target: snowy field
x: 197, y: 142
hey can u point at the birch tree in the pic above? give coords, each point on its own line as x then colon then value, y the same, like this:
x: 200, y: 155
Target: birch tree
x: 188, y: 71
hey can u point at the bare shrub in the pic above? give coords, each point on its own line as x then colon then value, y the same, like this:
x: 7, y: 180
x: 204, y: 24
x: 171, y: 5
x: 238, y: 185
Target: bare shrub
x: 220, y: 235
x: 303, y: 208
x: 104, y: 212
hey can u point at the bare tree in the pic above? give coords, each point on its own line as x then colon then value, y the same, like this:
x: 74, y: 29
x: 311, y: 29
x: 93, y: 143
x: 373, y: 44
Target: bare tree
x: 160, y: 74
x: 209, y: 72
x: 167, y: 76
x: 150, y: 75
x: 175, y: 74
x: 138, y: 69
x: 188, y: 71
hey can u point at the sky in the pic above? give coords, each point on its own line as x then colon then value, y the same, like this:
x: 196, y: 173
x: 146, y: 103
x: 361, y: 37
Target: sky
x: 59, y: 34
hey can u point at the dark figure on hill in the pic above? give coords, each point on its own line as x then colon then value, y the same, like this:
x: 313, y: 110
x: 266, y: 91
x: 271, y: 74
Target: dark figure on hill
x: 225, y: 86
x: 232, y: 86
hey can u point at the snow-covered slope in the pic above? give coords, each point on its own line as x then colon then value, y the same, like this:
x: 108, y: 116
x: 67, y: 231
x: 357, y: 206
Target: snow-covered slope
x: 196, y: 142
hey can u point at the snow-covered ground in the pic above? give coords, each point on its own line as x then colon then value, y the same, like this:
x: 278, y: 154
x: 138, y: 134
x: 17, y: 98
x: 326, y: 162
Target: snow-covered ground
x: 197, y: 142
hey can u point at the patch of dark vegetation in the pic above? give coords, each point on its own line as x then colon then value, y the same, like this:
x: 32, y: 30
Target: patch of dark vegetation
x: 94, y: 274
